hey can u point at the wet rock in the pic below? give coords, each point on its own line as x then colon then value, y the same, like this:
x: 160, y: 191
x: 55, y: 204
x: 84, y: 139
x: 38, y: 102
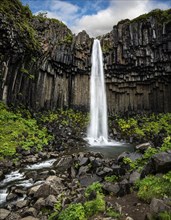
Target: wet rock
x: 1, y: 175
x: 143, y: 147
x: 31, y: 174
x: 4, y: 213
x: 11, y: 196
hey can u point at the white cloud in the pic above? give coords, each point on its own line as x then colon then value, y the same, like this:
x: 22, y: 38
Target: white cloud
x: 102, y: 22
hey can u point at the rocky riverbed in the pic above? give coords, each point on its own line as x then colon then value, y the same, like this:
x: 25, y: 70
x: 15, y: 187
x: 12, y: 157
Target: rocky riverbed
x: 33, y: 190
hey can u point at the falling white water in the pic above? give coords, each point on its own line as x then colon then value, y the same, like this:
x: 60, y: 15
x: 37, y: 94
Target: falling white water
x: 97, y: 131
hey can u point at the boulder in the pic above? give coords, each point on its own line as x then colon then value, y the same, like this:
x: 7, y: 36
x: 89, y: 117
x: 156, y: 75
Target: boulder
x: 50, y: 201
x: 88, y: 179
x: 159, y: 163
x: 162, y: 162
x: 111, y: 188
x: 158, y: 205
x: 22, y: 203
x: 4, y: 213
x: 143, y: 147
x: 134, y: 176
x: 64, y: 163
x: 133, y: 156
x: 13, y: 216
x: 39, y: 204
x: 29, y: 212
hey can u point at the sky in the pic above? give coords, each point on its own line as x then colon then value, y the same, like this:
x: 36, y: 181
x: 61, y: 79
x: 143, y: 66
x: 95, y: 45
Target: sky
x: 96, y: 17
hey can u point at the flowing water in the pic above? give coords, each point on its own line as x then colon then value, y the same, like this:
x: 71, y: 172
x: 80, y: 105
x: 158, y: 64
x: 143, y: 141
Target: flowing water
x: 97, y: 134
x: 98, y: 130
x: 18, y: 178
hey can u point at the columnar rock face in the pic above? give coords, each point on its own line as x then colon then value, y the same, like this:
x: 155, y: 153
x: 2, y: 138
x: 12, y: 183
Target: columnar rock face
x: 55, y: 74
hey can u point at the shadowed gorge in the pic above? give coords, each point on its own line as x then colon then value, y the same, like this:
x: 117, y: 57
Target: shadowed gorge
x: 45, y: 66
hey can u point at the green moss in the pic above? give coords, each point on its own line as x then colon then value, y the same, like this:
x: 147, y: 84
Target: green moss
x: 145, y: 126
x: 160, y: 15
x: 110, y: 212
x: 94, y: 187
x: 95, y: 206
x: 73, y: 212
x: 111, y: 179
x: 17, y: 131
x: 154, y: 187
x: 21, y: 18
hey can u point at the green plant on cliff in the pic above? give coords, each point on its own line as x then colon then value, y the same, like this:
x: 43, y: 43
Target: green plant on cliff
x: 21, y: 18
x: 160, y: 15
x: 17, y: 131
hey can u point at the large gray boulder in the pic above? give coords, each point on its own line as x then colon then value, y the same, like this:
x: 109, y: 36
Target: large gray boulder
x: 159, y: 163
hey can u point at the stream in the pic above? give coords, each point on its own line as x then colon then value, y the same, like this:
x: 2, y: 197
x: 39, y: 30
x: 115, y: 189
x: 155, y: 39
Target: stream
x: 19, y: 179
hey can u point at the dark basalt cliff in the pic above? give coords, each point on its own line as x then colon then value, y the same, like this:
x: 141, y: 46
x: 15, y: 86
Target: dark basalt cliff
x: 44, y: 66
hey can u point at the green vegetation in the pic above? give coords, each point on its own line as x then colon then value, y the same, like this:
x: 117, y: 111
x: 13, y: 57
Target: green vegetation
x: 106, y: 47
x: 73, y: 212
x: 164, y: 216
x: 94, y: 187
x: 26, y: 72
x: 95, y: 206
x: 140, y: 163
x: 20, y: 17
x: 111, y: 179
x: 147, y: 127
x: 74, y: 119
x: 80, y: 211
x: 18, y: 131
x: 110, y: 212
x: 154, y: 187
x: 160, y: 15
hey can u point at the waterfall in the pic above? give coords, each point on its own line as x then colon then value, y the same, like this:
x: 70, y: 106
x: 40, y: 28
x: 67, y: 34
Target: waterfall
x: 98, y: 130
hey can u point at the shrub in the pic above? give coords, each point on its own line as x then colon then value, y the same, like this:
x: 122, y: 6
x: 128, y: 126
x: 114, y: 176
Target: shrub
x: 96, y: 187
x: 111, y: 179
x: 95, y: 206
x: 154, y: 186
x: 73, y: 212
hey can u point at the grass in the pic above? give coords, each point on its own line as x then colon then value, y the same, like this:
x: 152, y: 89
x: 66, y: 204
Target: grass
x: 18, y: 131
x: 154, y: 187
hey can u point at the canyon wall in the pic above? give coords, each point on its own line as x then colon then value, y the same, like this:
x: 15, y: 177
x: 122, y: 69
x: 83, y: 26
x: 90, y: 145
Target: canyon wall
x: 47, y: 67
